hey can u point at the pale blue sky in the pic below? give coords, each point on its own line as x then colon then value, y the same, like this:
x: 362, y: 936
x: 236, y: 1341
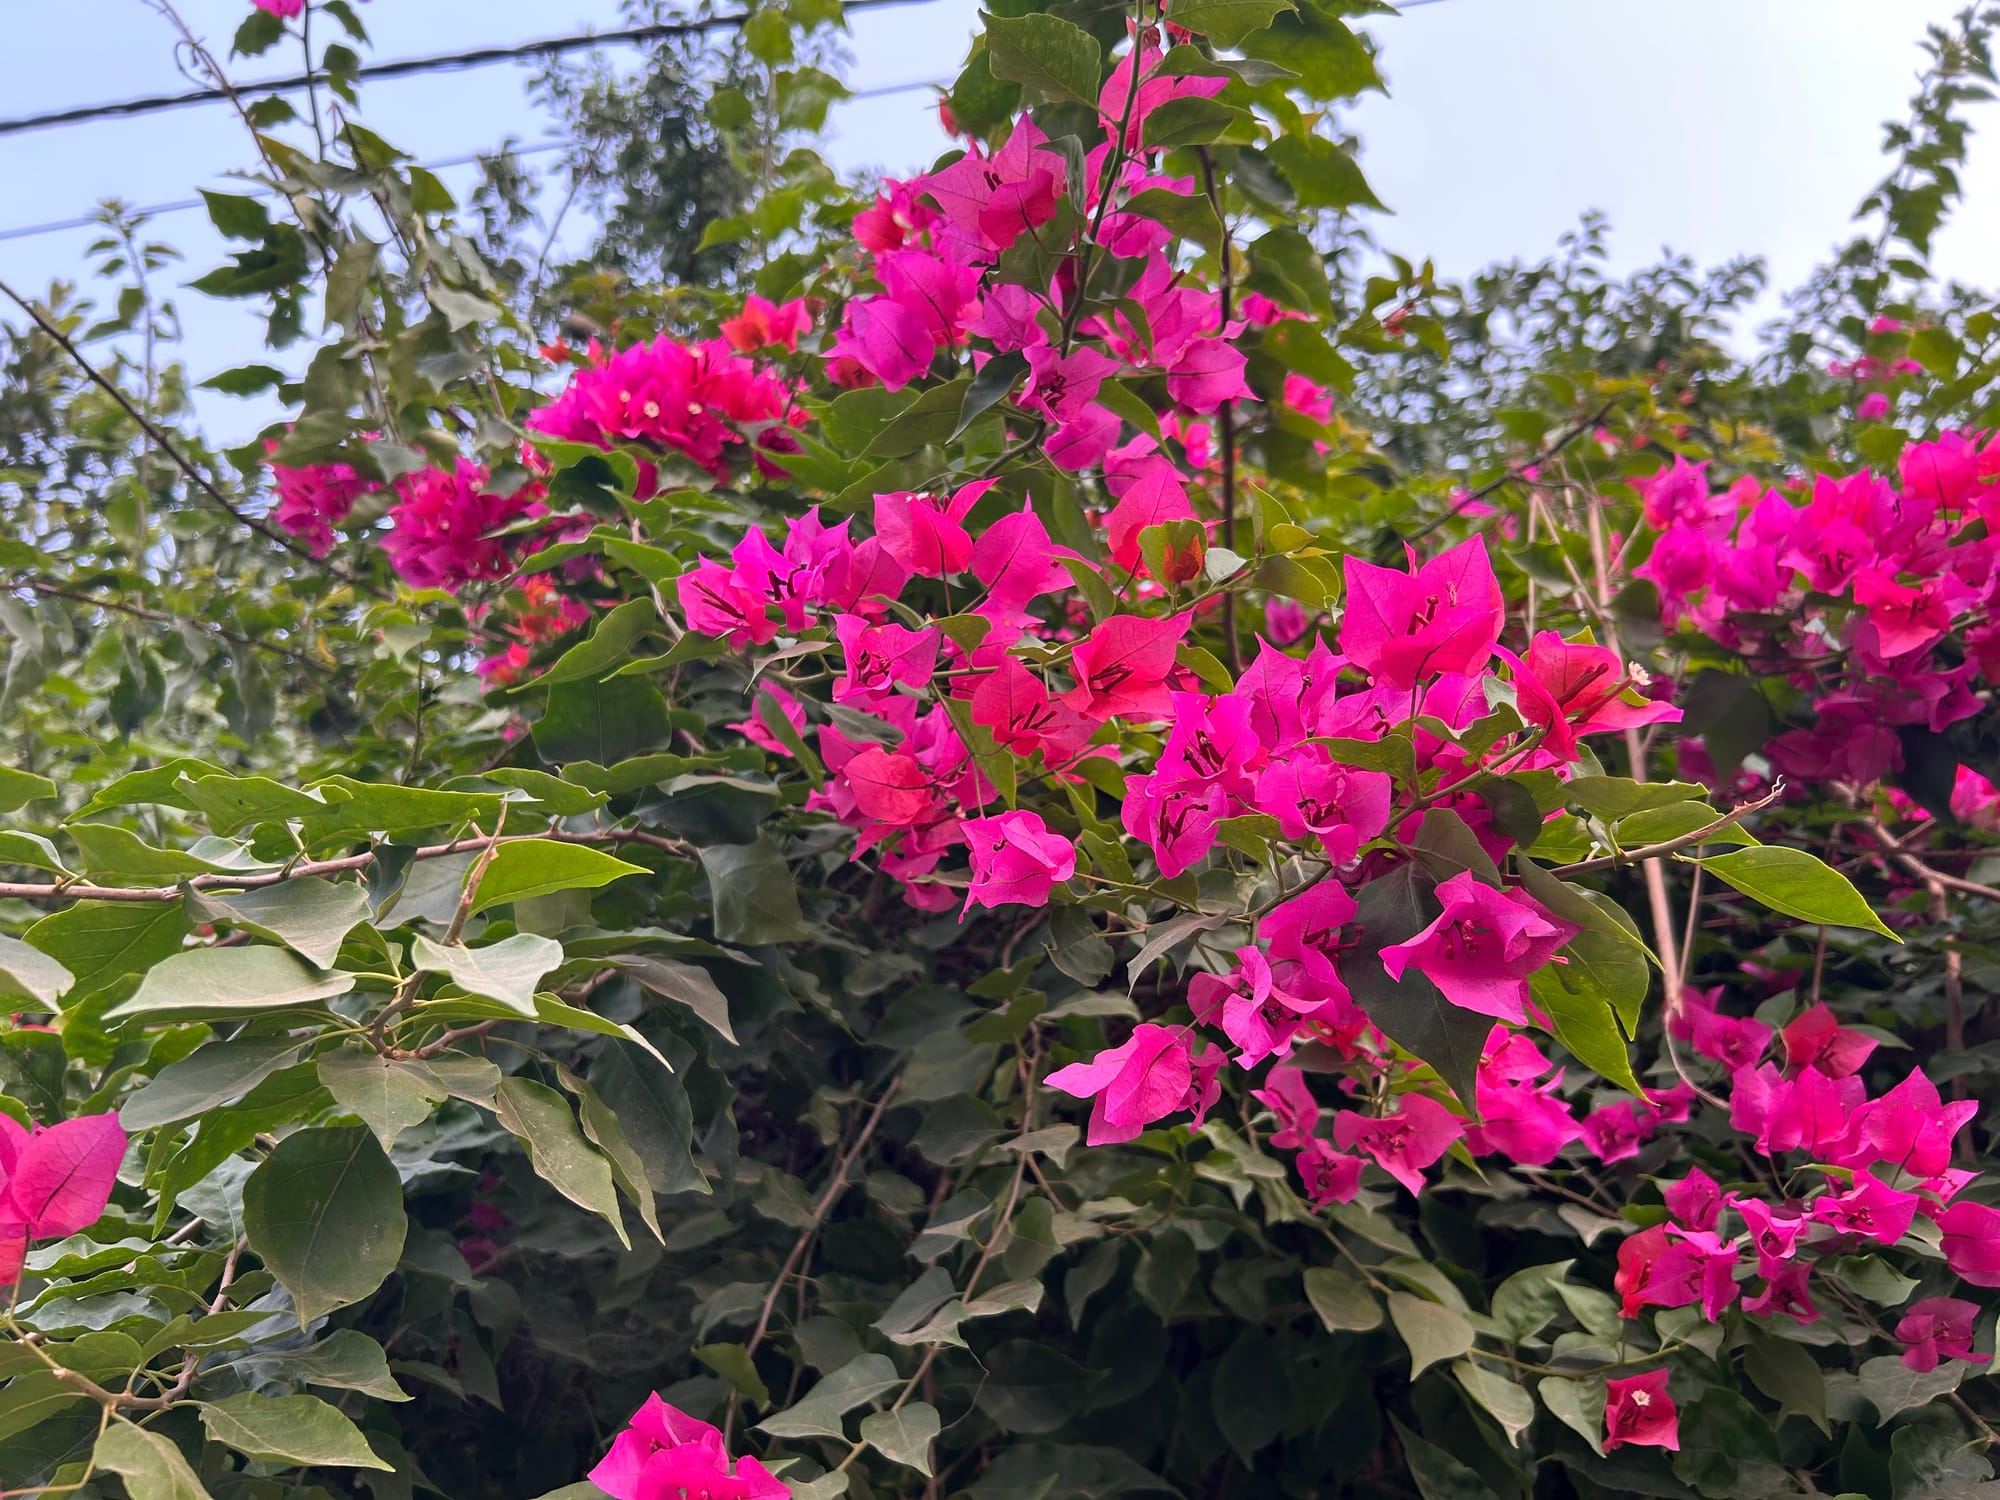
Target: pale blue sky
x: 1718, y: 127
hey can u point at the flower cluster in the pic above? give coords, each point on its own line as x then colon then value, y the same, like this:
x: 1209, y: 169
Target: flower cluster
x: 315, y: 498
x: 1848, y: 595
x: 703, y: 402
x: 54, y: 1181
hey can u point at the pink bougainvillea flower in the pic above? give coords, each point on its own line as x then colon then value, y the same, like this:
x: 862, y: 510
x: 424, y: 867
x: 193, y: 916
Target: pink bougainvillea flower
x: 1937, y: 1329
x: 763, y: 324
x: 926, y: 533
x: 1481, y: 948
x: 1972, y: 1242
x: 284, y: 10
x: 1288, y: 1095
x: 1061, y: 385
x: 1121, y: 668
x: 1310, y: 795
x: 1695, y: 1201
x: 1519, y: 1118
x: 881, y: 656
x: 1617, y: 1131
x: 1017, y: 562
x: 1639, y: 1413
x: 314, y: 499
x: 1870, y: 1209
x: 1175, y: 819
x: 1152, y: 1074
x: 1150, y: 492
x: 1787, y: 1290
x: 1665, y: 1266
x: 717, y: 602
x: 446, y: 529
x: 1909, y: 1127
x: 1813, y: 1039
x: 994, y: 200
x: 1403, y: 1144
x: 54, y: 1181
x: 1016, y: 860
x: 1441, y: 616
x: 890, y: 787
x: 665, y: 1454
x: 1569, y: 690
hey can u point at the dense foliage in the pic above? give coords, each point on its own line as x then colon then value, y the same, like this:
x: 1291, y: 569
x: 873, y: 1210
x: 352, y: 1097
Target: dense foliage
x: 1051, y: 830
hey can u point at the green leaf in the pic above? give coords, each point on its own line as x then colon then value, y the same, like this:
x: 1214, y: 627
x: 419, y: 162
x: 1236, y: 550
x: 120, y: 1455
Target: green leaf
x: 1790, y: 1376
x: 1057, y: 59
x: 1251, y: 1390
x: 209, y: 1078
x: 756, y: 898
x: 1226, y: 22
x: 1728, y: 1448
x: 1578, y: 1404
x: 1432, y: 1331
x: 819, y: 1415
x: 1438, y: 1475
x: 1344, y: 1305
x: 1796, y: 884
x: 609, y: 646
x: 1615, y: 797
x: 1031, y: 1387
x: 538, y: 867
x: 1582, y: 1019
x: 685, y: 983
x: 18, y: 788
x: 1191, y: 121
x: 32, y: 850
x: 507, y: 971
x: 234, y: 802
x: 324, y: 1212
x: 32, y: 1399
x: 1525, y: 1301
x: 1893, y: 1388
x: 1410, y: 1010
x: 733, y: 1363
x: 904, y: 1435
x: 1676, y: 820
x: 151, y: 1465
x: 1874, y: 1278
x: 312, y: 917
x: 229, y: 982
x: 1189, y: 215
x: 30, y: 976
x: 389, y: 1094
x: 288, y: 1430
x: 557, y: 1150
x: 653, y: 1110
x: 357, y: 806
x: 602, y: 722
x: 989, y: 387
x: 1322, y: 173
x: 110, y: 852
x: 345, y: 1360
x: 1507, y: 1403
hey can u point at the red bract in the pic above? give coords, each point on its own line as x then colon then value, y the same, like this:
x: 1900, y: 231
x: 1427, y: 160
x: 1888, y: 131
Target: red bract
x: 1121, y: 670
x: 1568, y: 690
x: 1480, y: 950
x: 665, y: 1454
x: 1639, y: 1412
x: 1442, y: 616
x: 1153, y: 1074
x: 54, y: 1181
x: 1936, y: 1329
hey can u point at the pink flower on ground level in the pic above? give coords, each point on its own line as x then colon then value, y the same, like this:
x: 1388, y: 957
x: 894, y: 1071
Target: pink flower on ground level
x: 1482, y: 948
x: 665, y: 1454
x: 1939, y: 1328
x: 1152, y: 1074
x: 1016, y: 860
x: 1639, y: 1412
x: 54, y: 1181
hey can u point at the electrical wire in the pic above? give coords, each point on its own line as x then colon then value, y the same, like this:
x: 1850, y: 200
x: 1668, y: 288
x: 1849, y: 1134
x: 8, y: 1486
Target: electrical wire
x: 533, y: 148
x: 402, y: 68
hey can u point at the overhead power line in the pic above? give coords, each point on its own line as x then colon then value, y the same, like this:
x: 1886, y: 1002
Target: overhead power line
x: 402, y: 68
x: 532, y: 148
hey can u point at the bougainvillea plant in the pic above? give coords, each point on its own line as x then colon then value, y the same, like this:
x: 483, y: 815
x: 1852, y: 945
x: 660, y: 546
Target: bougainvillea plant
x: 927, y: 873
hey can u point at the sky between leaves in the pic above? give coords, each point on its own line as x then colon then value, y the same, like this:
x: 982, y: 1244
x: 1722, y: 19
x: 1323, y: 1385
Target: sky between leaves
x: 1718, y: 127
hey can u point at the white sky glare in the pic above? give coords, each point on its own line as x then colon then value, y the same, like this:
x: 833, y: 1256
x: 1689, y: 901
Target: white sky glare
x: 1715, y: 127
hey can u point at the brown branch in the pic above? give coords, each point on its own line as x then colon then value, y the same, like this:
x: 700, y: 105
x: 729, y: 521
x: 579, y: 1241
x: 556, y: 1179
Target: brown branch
x: 1225, y: 416
x: 1665, y: 847
x: 49, y: 590
x: 182, y: 462
x: 1929, y: 876
x: 345, y: 865
x: 1516, y: 471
